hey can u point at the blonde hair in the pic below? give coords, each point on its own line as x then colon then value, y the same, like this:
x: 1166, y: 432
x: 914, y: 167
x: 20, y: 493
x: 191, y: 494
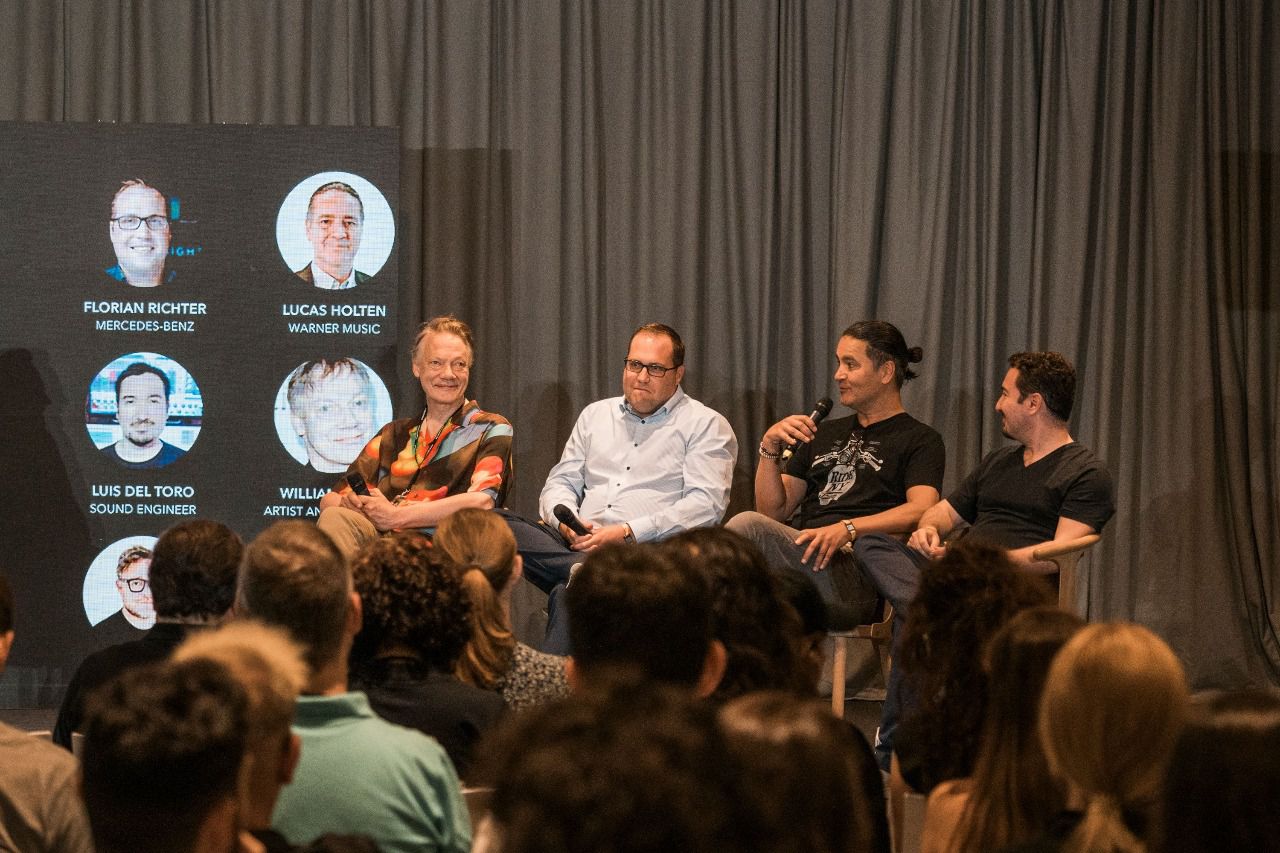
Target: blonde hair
x: 484, y: 549
x: 446, y: 324
x: 1114, y: 702
x: 266, y: 663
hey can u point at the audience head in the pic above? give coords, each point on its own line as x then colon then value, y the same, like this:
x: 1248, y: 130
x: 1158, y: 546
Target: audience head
x: 162, y: 758
x: 483, y: 548
x: 1014, y: 797
x: 759, y: 629
x: 1223, y: 784
x: 413, y: 602
x: 631, y: 607
x: 268, y: 666
x: 808, y: 781
x: 6, y: 621
x: 885, y: 343
x: 965, y: 597
x: 193, y: 570
x: 292, y: 576
x: 1114, y: 703
x: 617, y: 767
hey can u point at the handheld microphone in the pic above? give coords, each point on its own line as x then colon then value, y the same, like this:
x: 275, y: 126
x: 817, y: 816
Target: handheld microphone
x: 821, y: 409
x: 566, y: 517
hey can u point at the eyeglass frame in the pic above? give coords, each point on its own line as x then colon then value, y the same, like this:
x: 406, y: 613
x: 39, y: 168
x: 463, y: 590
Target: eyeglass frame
x: 118, y: 221
x: 129, y: 582
x: 655, y: 371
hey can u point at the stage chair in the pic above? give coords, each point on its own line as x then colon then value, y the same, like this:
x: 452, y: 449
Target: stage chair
x: 879, y: 634
x: 1066, y: 556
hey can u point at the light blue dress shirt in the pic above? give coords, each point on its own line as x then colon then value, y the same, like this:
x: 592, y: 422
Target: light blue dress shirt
x: 661, y: 474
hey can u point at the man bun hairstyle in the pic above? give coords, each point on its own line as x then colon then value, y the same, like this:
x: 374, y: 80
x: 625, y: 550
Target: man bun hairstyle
x: 885, y: 343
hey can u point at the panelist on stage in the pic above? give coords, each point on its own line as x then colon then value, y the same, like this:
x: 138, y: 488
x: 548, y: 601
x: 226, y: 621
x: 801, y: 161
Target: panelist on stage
x: 331, y: 403
x: 334, y: 223
x: 140, y: 235
x: 1046, y: 487
x: 876, y: 470
x: 419, y: 470
x: 142, y: 409
x: 636, y: 468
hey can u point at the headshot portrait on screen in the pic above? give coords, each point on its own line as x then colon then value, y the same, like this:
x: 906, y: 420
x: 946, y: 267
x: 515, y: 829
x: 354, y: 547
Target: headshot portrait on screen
x: 117, y: 591
x: 140, y: 234
x: 335, y: 230
x: 328, y: 410
x: 144, y: 411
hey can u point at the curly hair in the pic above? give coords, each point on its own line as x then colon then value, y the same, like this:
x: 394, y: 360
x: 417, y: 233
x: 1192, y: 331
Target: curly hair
x: 1048, y: 374
x: 760, y: 630
x: 964, y: 598
x: 412, y: 597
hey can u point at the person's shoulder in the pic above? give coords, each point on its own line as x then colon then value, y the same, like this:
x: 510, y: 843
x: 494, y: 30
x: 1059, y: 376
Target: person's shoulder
x: 481, y: 416
x: 910, y: 423
x: 304, y: 274
x: 49, y: 759
x: 1077, y: 454
x: 362, y: 277
x: 697, y: 410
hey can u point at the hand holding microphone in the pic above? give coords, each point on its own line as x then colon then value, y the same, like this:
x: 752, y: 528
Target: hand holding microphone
x: 793, y: 431
x: 565, y: 516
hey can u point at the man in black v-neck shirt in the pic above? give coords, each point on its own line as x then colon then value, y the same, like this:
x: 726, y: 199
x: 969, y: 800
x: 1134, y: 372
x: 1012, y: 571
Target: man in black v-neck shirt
x: 1045, y: 488
x: 878, y: 469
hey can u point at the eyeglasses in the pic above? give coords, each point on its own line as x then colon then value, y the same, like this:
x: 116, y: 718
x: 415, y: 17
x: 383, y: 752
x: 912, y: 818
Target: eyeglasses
x: 435, y: 366
x: 134, y: 584
x: 131, y: 223
x: 657, y: 371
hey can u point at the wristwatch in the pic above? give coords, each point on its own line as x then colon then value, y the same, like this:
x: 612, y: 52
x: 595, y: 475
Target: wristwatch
x: 853, y: 530
x: 628, y: 536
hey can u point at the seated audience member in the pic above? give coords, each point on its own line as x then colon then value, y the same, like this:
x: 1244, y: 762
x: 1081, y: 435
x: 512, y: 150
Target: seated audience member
x: 1011, y: 796
x: 815, y: 624
x: 875, y: 470
x: 268, y: 667
x: 193, y: 581
x: 636, y: 468
x: 39, y: 808
x: 631, y: 766
x: 758, y: 627
x: 1222, y: 790
x: 964, y: 598
x: 161, y: 762
x: 1114, y: 703
x: 484, y: 549
x: 1045, y: 487
x: 416, y: 624
x: 810, y: 779
x: 358, y: 773
x: 419, y: 470
x: 632, y: 608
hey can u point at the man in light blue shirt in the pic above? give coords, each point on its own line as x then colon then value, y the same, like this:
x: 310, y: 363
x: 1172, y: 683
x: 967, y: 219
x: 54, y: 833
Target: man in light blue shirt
x: 637, y: 468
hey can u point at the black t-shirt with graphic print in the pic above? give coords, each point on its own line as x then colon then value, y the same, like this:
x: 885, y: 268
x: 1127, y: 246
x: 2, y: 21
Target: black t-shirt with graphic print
x: 1015, y: 505
x: 851, y: 470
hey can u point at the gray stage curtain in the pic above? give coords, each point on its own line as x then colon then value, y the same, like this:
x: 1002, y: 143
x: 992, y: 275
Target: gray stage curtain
x: 1097, y: 178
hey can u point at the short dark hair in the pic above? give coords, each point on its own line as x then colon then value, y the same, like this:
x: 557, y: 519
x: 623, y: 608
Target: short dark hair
x: 138, y: 368
x: 1048, y: 374
x: 193, y: 569
x: 885, y: 343
x: 760, y: 631
x: 6, y: 606
x: 293, y: 576
x: 631, y: 606
x: 163, y: 746
x: 630, y: 766
x: 662, y: 329
x: 412, y: 595
x: 1223, y: 781
x: 335, y: 185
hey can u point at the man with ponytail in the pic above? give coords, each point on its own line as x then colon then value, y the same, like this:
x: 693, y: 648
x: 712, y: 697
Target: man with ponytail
x: 876, y: 470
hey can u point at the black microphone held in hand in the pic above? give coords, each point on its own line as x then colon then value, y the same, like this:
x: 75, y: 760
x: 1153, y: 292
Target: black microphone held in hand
x: 566, y: 517
x: 821, y: 409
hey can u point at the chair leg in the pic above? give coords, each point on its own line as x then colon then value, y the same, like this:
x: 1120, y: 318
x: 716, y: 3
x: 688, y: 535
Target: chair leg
x: 839, y: 660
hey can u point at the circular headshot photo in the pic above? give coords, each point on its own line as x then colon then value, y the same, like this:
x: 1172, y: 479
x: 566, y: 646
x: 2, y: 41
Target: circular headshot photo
x: 141, y: 231
x: 143, y: 410
x: 327, y: 409
x: 117, y: 588
x: 335, y: 230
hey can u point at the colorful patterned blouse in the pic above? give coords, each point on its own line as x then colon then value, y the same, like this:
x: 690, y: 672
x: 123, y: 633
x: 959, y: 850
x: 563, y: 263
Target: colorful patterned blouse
x: 471, y: 453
